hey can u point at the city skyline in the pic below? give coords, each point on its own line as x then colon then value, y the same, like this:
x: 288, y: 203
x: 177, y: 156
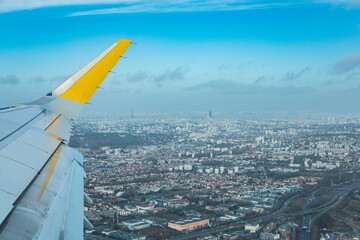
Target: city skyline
x: 232, y: 119
x: 251, y: 179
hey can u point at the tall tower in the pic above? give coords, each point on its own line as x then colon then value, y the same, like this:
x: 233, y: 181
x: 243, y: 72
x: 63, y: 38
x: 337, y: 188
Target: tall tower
x: 132, y: 113
x: 210, y: 114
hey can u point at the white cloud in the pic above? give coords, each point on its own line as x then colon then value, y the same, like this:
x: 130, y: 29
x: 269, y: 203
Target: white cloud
x: 17, y: 5
x: 134, y: 6
x: 182, y: 6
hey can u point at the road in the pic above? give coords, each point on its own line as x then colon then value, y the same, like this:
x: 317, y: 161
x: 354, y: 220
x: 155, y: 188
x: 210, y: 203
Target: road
x: 345, y: 221
x: 338, y: 194
x: 306, y: 223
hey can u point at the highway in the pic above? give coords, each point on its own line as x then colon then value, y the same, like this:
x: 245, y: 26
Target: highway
x: 308, y: 221
x: 339, y: 194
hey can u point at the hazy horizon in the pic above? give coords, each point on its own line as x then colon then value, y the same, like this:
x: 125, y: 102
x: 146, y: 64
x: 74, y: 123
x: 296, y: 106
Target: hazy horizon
x: 189, y: 56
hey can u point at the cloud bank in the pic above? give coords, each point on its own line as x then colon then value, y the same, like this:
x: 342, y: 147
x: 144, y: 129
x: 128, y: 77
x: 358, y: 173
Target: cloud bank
x: 10, y: 80
x: 347, y: 64
x: 229, y: 87
x: 172, y: 75
x: 291, y: 76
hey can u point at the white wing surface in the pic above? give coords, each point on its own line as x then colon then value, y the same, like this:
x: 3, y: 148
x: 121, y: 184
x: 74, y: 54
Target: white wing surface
x: 41, y: 178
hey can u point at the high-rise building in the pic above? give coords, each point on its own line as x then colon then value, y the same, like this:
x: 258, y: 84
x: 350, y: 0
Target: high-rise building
x: 210, y: 114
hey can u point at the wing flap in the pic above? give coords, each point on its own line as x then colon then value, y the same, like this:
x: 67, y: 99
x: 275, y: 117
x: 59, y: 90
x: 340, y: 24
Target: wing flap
x: 57, y: 126
x: 59, y: 212
x: 39, y: 140
x: 14, y: 176
x: 16, y: 151
x: 7, y: 201
x: 24, y: 150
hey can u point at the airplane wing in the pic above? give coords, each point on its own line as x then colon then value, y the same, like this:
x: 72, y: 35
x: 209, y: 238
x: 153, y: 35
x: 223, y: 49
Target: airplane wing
x: 41, y: 177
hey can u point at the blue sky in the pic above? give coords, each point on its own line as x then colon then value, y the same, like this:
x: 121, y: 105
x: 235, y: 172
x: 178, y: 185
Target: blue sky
x: 233, y: 55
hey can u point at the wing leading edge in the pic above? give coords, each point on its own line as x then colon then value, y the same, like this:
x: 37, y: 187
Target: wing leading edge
x: 41, y: 178
x: 71, y: 96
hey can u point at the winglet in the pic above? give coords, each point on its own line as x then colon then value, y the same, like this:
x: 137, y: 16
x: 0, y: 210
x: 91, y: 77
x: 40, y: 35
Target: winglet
x: 82, y: 85
x: 71, y: 96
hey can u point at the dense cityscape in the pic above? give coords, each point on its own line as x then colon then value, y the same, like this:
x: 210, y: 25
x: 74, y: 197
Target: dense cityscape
x: 180, y: 120
x: 209, y: 176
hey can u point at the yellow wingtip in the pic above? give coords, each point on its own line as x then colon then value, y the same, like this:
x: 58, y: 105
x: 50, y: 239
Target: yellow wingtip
x: 124, y: 40
x: 82, y: 90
